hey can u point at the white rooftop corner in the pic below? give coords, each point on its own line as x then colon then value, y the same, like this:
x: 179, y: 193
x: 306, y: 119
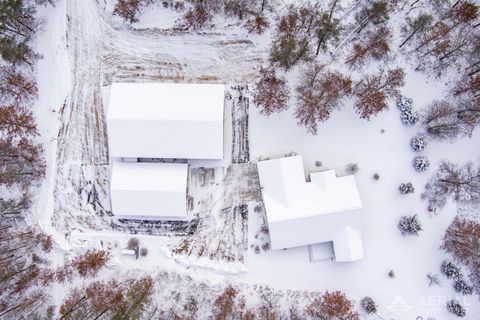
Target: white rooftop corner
x: 347, y: 245
x: 149, y: 190
x: 166, y: 120
x: 299, y: 213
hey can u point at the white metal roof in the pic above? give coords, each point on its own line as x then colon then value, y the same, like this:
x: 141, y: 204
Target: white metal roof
x: 166, y: 120
x: 302, y: 213
x: 149, y: 190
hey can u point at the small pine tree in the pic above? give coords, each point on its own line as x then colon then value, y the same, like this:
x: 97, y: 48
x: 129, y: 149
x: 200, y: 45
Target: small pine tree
x: 368, y: 305
x: 418, y: 143
x: 406, y: 188
x: 420, y: 164
x: 463, y: 287
x: 352, y: 169
x: 409, y: 225
x: 404, y: 104
x: 454, y: 306
x: 450, y: 270
x: 409, y: 117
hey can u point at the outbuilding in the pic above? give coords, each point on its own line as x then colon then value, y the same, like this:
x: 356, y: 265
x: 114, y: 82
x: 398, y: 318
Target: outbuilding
x: 149, y: 191
x: 166, y: 120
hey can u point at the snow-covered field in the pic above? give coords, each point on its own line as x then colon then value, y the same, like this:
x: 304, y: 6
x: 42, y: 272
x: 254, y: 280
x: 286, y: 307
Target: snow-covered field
x: 84, y: 49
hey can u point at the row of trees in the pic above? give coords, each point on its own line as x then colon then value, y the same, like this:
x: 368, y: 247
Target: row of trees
x: 198, y: 14
x: 133, y: 298
x: 112, y: 299
x: 23, y: 249
x: 321, y: 91
x: 442, y: 36
x: 306, y: 31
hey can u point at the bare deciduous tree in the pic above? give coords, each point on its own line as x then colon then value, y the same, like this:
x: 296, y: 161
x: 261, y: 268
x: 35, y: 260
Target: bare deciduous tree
x: 461, y: 183
x: 440, y: 121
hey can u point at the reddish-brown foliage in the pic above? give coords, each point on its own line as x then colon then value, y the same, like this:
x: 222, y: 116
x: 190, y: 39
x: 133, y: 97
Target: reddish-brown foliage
x: 462, y: 240
x: 91, y: 262
x: 295, y: 22
x: 376, y: 47
x: 332, y: 306
x: 27, y: 279
x: 15, y: 87
x: 113, y: 299
x: 197, y: 17
x: 224, y: 304
x: 468, y: 85
x: 47, y: 244
x: 258, y: 24
x: 318, y: 94
x: 63, y: 274
x: 465, y: 12
x: 46, y: 277
x: 435, y: 40
x: 128, y: 9
x: 16, y: 122
x: 372, y: 91
x: 358, y: 56
x: 271, y: 93
x: 20, y: 162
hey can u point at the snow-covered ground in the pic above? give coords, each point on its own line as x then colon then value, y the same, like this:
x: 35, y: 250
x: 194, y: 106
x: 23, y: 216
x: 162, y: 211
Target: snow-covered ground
x: 84, y: 49
x: 345, y: 139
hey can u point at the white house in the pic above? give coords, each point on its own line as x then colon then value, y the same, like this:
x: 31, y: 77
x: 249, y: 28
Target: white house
x: 301, y: 213
x: 166, y: 120
x: 149, y: 191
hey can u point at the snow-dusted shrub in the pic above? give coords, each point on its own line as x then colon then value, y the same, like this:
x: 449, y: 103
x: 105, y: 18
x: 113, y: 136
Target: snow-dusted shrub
x: 352, y: 168
x: 143, y: 252
x: 420, y: 163
x: 391, y: 274
x: 463, y: 287
x: 418, y: 143
x: 406, y: 188
x: 368, y: 305
x: 404, y: 104
x: 133, y: 244
x: 376, y: 177
x: 451, y: 270
x: 409, y: 117
x: 409, y: 225
x: 456, y: 308
x: 266, y: 246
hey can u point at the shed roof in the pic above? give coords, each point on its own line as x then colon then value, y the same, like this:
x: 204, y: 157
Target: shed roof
x: 149, y: 190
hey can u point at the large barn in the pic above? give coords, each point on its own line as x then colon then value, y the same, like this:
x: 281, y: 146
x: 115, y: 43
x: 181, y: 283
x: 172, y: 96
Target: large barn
x: 301, y: 213
x: 166, y: 120
x: 159, y: 123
